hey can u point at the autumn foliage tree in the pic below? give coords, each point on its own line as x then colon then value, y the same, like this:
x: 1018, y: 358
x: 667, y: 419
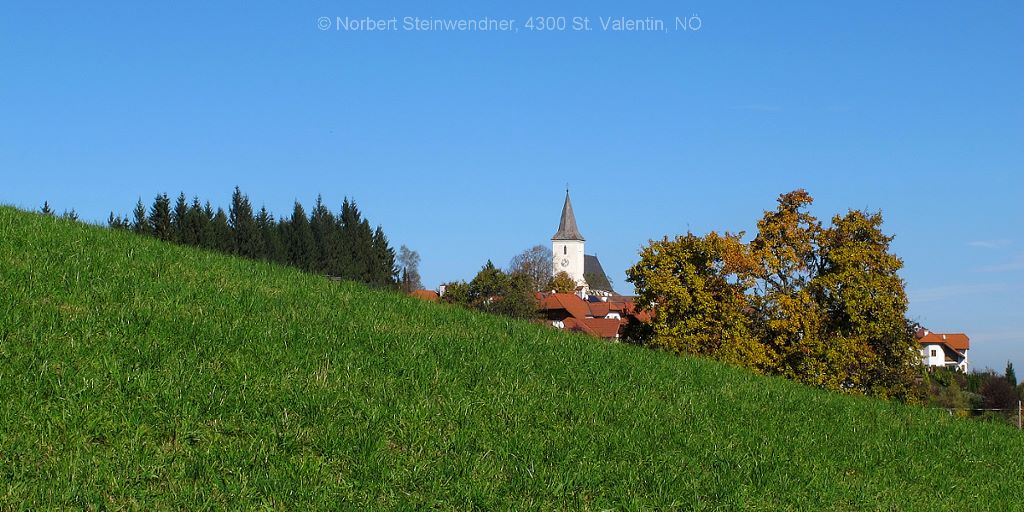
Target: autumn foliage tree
x: 820, y: 305
x: 864, y: 305
x: 693, y: 284
x: 561, y: 282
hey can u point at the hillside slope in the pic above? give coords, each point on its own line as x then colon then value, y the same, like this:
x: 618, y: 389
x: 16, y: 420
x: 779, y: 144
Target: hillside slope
x: 135, y: 373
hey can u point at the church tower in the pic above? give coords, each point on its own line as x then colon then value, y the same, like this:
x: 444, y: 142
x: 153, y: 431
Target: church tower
x: 567, y: 245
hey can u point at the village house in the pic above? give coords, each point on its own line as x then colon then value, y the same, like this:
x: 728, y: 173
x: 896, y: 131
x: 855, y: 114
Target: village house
x: 604, y: 317
x: 943, y: 350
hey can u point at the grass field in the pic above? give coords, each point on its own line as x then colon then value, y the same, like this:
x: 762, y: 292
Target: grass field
x: 138, y: 374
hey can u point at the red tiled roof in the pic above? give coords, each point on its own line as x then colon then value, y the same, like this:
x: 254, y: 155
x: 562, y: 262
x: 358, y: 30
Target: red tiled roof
x: 618, y: 306
x: 589, y: 317
x: 644, y: 316
x: 956, y: 341
x: 571, y: 324
x: 600, y: 327
x: 569, y: 302
x: 425, y: 295
x: 599, y: 309
x: 603, y: 327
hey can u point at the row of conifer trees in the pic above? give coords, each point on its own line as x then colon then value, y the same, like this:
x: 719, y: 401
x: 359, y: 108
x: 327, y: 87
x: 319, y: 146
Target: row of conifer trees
x: 342, y: 245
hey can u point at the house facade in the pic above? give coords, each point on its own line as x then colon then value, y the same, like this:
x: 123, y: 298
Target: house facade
x: 944, y: 350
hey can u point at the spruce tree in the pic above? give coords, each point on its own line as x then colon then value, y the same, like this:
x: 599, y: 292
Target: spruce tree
x: 356, y: 247
x: 243, y: 226
x: 178, y: 218
x: 160, y: 218
x: 140, y: 225
x: 193, y: 225
x: 269, y: 236
x: 46, y: 210
x: 221, y: 237
x: 208, y: 239
x: 301, y: 246
x: 118, y: 222
x: 322, y: 225
x: 383, y: 273
x: 281, y: 232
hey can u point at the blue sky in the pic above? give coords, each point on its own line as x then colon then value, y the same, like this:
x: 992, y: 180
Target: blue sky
x: 461, y: 144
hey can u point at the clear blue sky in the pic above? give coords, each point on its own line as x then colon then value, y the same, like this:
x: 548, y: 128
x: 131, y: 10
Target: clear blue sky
x: 460, y: 144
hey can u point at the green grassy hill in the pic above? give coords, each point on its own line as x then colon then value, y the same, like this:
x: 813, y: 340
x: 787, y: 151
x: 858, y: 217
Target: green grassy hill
x: 138, y: 374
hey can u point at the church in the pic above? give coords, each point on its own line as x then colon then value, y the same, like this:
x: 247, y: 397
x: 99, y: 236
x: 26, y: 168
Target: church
x: 594, y: 308
x: 568, y: 255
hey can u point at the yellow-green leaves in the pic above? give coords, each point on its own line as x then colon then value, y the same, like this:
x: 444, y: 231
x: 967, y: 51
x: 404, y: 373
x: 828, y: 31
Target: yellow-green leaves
x: 821, y: 305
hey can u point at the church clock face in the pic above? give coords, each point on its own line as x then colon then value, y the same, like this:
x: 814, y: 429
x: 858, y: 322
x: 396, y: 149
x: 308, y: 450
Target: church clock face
x: 565, y: 262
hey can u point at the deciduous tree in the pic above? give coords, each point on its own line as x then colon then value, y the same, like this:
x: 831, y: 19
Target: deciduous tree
x: 535, y: 264
x: 864, y: 305
x: 824, y: 306
x: 561, y: 282
x: 691, y: 284
x: 409, y: 263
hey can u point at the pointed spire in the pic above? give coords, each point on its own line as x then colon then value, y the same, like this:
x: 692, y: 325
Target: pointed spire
x: 567, y: 229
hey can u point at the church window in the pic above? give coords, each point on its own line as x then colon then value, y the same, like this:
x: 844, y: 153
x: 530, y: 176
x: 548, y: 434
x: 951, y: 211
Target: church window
x: 565, y: 249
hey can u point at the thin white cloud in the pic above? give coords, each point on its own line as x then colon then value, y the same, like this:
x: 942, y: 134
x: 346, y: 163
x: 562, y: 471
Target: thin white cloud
x: 990, y: 244
x: 940, y: 293
x: 1010, y: 266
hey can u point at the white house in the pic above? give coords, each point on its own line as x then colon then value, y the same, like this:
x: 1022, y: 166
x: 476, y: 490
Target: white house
x: 944, y: 350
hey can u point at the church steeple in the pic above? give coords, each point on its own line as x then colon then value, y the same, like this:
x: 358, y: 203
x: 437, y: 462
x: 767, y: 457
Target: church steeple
x: 567, y: 229
x: 567, y: 246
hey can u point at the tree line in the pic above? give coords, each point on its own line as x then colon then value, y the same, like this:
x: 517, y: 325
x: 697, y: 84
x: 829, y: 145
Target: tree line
x: 342, y: 245
x: 818, y: 304
x: 512, y: 291
x: 985, y: 395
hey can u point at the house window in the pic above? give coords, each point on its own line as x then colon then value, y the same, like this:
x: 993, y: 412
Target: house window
x: 933, y: 352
